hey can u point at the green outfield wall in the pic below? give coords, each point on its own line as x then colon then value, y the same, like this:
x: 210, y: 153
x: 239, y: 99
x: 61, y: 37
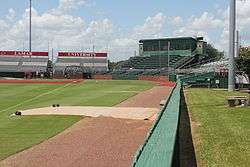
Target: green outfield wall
x: 158, y: 149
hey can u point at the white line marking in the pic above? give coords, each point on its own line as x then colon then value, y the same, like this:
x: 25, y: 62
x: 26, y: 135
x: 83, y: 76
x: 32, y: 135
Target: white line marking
x: 121, y: 91
x: 34, y: 98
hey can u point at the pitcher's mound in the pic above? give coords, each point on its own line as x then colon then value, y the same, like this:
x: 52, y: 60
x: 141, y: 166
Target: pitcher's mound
x: 137, y: 113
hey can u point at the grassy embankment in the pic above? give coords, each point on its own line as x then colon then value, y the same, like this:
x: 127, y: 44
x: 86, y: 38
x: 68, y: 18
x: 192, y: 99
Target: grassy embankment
x: 222, y: 134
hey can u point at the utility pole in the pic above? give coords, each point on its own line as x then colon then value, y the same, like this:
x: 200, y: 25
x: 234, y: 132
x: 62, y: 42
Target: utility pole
x: 52, y: 65
x: 93, y: 59
x: 231, y: 74
x: 237, y: 50
x: 159, y: 45
x: 52, y: 55
x: 168, y: 57
x: 48, y: 47
x: 30, y: 27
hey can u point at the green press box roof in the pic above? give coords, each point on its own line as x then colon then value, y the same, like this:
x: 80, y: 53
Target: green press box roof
x: 178, y: 38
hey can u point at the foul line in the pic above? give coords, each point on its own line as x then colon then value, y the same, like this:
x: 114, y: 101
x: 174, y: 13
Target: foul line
x: 122, y: 91
x: 34, y: 98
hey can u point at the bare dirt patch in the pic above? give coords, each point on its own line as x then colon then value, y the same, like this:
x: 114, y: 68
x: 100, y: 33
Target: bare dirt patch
x: 138, y: 113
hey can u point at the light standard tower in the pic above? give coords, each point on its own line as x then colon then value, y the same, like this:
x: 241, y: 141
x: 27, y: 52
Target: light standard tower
x: 30, y: 27
x: 168, y: 58
x: 231, y: 74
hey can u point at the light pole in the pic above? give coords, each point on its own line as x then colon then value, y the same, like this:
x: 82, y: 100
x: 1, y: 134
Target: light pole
x: 159, y: 45
x: 231, y: 74
x: 93, y: 59
x: 237, y: 50
x: 168, y: 57
x: 30, y: 27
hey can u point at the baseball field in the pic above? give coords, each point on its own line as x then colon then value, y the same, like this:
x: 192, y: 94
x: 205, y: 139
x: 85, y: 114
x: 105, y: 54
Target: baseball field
x: 20, y: 133
x: 103, y: 123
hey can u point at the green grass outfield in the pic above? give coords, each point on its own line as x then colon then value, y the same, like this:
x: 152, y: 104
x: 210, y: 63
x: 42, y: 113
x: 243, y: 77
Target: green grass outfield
x: 224, y: 132
x: 19, y: 133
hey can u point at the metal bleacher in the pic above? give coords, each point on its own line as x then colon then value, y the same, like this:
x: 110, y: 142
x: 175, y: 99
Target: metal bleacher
x: 150, y: 62
x: 126, y: 75
x: 183, y: 62
x: 198, y: 79
x: 148, y: 66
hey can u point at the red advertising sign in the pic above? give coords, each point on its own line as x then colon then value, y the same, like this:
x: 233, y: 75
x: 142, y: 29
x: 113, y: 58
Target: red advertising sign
x: 23, y: 53
x: 81, y: 54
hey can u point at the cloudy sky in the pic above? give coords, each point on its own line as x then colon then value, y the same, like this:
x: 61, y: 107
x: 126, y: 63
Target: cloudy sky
x: 116, y: 26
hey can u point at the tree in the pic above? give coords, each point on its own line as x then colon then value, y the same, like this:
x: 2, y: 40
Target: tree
x: 245, y: 52
x: 112, y: 65
x: 213, y: 53
x: 49, y: 69
x: 243, y: 61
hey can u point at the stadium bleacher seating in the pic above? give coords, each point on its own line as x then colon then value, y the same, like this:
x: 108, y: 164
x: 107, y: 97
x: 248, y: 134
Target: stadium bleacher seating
x: 196, y: 79
x: 153, y: 62
x: 126, y: 75
x: 21, y: 64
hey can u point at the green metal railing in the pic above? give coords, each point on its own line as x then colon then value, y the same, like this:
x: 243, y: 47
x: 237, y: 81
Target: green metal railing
x: 158, y: 148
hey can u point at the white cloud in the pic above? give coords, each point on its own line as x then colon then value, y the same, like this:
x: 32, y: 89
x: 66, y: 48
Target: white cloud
x: 197, y: 26
x: 128, y: 43
x: 243, y: 24
x: 176, y: 21
x: 67, y: 5
x: 205, y: 22
x: 4, y: 26
x: 222, y: 44
x: 152, y: 26
x: 210, y: 23
x: 11, y: 14
x: 63, y: 31
x: 67, y: 32
x: 243, y: 15
x: 187, y: 32
x: 243, y: 9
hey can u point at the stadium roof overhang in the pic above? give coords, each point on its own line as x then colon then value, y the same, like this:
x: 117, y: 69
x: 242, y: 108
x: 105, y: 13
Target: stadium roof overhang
x: 172, y: 38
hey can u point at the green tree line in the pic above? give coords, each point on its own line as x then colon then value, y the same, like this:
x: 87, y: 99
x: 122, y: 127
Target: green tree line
x: 243, y: 61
